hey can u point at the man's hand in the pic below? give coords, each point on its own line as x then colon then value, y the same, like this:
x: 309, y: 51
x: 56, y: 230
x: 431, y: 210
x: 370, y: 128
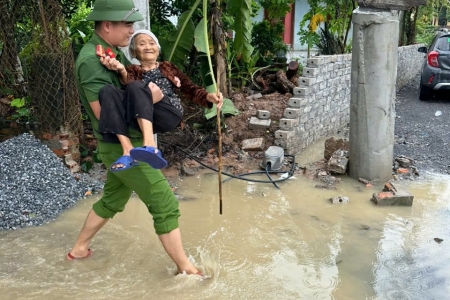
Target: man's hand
x: 112, y: 64
x: 157, y: 94
x: 214, y: 98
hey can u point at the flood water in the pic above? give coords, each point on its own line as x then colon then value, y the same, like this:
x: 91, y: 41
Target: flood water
x: 287, y: 243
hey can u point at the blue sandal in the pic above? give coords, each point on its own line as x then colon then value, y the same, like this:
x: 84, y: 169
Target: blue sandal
x: 126, y: 161
x: 150, y: 155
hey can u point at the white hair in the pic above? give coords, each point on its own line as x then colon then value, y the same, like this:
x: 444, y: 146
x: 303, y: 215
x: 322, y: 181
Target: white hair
x: 132, y: 46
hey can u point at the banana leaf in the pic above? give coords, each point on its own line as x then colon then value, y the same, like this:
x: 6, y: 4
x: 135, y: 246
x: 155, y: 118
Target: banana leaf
x: 228, y: 109
x: 178, y: 46
x: 241, y: 10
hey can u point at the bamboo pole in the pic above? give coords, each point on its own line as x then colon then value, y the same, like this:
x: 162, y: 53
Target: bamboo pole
x: 219, y: 132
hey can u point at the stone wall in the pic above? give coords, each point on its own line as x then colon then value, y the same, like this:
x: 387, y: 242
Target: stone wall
x: 320, y: 105
x: 409, y: 64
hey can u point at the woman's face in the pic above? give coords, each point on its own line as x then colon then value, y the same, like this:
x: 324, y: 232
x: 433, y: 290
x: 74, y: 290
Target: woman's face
x: 146, y: 48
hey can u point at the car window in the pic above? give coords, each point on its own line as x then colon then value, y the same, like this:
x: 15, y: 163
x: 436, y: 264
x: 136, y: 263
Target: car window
x: 443, y: 43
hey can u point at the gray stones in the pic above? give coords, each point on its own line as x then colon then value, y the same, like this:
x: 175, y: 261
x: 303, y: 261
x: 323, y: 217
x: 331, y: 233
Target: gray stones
x: 339, y: 199
x: 288, y: 124
x: 315, y: 62
x: 254, y: 96
x: 310, y: 72
x: 404, y: 162
x: 283, y: 134
x: 404, y: 168
x: 308, y: 81
x: 263, y: 114
x: 256, y: 123
x: 297, y: 102
x: 332, y: 145
x: 187, y: 171
x: 256, y: 144
x: 35, y: 185
x: 338, y: 162
x: 291, y: 113
x: 301, y: 91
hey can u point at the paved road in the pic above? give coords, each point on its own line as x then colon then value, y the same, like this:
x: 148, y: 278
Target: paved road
x: 420, y: 134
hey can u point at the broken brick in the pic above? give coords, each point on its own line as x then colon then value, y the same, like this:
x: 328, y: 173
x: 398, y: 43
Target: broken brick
x: 402, y: 171
x: 393, y: 195
x: 255, y: 144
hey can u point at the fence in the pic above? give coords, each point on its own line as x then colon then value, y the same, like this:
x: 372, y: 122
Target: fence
x: 37, y: 67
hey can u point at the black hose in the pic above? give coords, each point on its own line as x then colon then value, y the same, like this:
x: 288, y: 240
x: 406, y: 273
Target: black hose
x: 268, y: 167
x: 240, y: 176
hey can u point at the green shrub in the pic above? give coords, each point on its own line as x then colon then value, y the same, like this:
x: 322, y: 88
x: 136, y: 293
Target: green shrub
x: 268, y: 41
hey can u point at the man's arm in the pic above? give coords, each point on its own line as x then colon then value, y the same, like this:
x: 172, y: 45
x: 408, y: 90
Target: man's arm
x: 92, y: 75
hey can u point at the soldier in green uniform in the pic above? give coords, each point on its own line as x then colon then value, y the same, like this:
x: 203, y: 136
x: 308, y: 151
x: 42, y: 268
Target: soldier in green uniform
x: 113, y: 27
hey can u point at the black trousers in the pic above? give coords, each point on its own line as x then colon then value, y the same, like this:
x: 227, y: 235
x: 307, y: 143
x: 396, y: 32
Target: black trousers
x: 120, y: 108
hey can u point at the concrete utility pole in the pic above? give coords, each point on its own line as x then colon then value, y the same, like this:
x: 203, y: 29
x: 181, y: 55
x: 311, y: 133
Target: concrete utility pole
x: 142, y: 5
x: 373, y: 86
x: 144, y: 10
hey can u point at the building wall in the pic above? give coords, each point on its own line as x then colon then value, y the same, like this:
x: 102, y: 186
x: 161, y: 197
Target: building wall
x: 321, y: 104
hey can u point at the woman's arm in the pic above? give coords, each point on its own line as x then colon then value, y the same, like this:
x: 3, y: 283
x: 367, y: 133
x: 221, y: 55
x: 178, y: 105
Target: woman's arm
x: 195, y: 93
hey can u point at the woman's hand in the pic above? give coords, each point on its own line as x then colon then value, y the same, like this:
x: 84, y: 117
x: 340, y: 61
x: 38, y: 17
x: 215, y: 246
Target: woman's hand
x: 112, y: 64
x: 157, y: 94
x: 177, y: 81
x: 214, y: 98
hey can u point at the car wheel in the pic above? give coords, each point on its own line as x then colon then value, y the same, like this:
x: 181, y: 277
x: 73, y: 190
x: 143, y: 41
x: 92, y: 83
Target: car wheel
x: 425, y: 93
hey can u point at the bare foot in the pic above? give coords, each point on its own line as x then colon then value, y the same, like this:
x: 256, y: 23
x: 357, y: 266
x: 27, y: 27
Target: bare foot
x: 189, y: 269
x: 78, y: 254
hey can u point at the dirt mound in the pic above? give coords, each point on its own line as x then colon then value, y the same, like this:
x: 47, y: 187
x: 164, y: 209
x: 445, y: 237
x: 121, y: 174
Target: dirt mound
x: 203, y: 142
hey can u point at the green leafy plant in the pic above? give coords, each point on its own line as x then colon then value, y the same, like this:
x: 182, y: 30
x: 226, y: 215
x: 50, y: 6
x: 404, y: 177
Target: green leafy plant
x: 23, y: 109
x: 276, y: 8
x: 88, y: 158
x: 241, y: 10
x: 177, y: 47
x: 328, y: 43
x: 310, y: 38
x: 242, y: 72
x: 268, y: 41
x: 80, y: 30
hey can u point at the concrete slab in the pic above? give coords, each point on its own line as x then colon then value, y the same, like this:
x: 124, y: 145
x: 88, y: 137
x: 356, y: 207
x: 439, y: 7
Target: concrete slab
x: 256, y: 144
x: 263, y: 114
x: 256, y: 123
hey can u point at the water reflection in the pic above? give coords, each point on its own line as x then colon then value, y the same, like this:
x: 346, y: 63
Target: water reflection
x: 411, y: 264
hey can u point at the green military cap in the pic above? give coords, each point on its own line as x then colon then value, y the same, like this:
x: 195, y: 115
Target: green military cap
x: 115, y: 10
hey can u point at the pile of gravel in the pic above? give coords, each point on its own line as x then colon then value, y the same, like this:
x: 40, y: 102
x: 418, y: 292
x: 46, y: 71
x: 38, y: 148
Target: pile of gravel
x: 35, y: 186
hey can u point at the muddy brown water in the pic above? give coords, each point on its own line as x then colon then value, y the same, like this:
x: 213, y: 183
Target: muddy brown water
x: 287, y: 243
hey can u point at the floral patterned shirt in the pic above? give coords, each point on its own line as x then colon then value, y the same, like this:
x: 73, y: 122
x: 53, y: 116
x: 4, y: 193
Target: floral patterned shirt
x: 165, y: 85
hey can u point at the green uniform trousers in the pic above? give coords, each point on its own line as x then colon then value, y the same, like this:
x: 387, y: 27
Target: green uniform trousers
x: 149, y: 184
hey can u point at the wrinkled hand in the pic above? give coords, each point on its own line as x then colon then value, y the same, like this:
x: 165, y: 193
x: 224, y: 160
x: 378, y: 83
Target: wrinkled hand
x: 157, y: 94
x: 112, y: 63
x: 177, y: 81
x: 214, y: 98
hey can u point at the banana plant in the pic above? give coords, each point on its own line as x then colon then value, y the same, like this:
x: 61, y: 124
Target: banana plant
x: 202, y: 44
x: 178, y: 46
x: 241, y: 10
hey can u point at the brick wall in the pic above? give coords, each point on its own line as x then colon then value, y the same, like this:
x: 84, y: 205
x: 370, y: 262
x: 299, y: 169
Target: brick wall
x: 320, y: 105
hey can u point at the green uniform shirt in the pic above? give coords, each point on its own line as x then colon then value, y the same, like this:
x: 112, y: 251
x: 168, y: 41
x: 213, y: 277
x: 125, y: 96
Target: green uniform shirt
x: 91, y: 76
